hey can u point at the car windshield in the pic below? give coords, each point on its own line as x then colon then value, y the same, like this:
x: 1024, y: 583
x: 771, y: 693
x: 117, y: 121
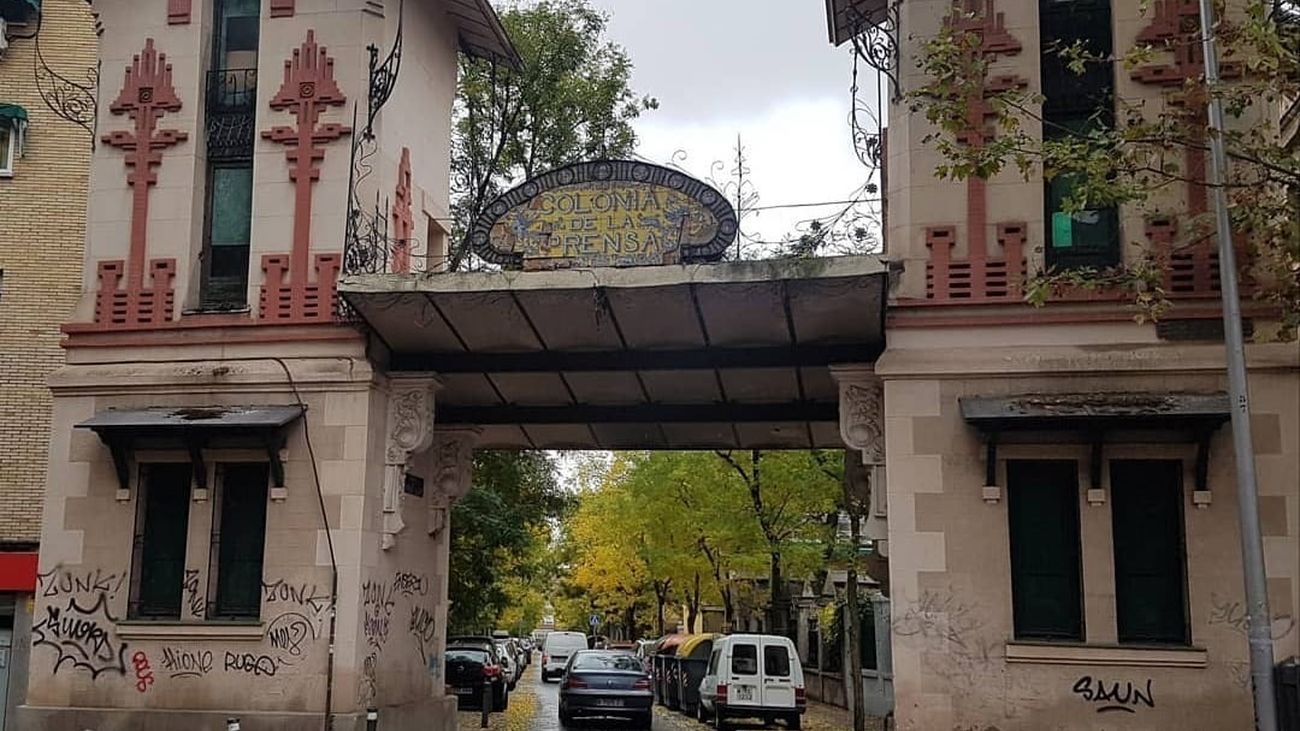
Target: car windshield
x: 607, y: 661
x: 466, y: 654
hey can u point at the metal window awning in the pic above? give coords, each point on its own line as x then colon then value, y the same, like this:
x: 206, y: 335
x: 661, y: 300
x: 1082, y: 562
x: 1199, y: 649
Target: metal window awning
x: 194, y: 427
x: 1096, y: 411
x: 19, y: 10
x: 11, y: 113
x: 1095, y: 414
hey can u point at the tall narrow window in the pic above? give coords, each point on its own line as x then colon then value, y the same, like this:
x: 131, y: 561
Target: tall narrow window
x: 1150, y: 556
x: 231, y: 104
x: 1043, y: 518
x: 1075, y: 104
x: 239, y: 540
x: 161, y: 529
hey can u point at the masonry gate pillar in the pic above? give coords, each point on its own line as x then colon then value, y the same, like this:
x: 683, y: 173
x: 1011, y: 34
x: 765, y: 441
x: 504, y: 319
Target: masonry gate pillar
x: 452, y: 454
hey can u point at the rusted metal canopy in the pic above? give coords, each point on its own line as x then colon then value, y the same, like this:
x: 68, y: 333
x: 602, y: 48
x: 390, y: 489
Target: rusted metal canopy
x: 171, y: 419
x: 728, y: 355
x: 1064, y: 412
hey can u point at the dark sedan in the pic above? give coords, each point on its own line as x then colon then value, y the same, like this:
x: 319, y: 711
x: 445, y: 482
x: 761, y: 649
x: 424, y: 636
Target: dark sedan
x: 606, y: 683
x: 469, y: 670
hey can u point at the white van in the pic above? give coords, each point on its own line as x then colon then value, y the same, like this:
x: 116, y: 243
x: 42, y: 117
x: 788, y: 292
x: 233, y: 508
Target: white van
x: 753, y: 676
x: 556, y: 649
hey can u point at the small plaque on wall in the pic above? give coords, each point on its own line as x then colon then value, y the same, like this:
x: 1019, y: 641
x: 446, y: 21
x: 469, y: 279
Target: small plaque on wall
x: 414, y: 485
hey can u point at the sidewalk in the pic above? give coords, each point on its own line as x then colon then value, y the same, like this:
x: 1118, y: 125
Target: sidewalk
x: 821, y: 717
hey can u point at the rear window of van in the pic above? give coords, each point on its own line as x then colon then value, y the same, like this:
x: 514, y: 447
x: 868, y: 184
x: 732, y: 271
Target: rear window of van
x: 744, y: 660
x: 776, y: 661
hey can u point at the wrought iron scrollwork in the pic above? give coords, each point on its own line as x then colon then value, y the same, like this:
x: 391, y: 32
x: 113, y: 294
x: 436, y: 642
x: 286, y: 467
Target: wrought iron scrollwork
x: 76, y: 102
x: 368, y: 247
x: 383, y: 77
x: 231, y: 113
x: 875, y: 42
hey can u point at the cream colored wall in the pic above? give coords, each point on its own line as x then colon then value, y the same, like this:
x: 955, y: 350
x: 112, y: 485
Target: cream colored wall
x: 88, y: 533
x: 417, y: 116
x: 339, y: 27
x: 176, y: 205
x: 950, y: 563
x: 918, y: 199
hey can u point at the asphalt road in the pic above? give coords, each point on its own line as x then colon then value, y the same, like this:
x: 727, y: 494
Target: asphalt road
x: 534, y: 706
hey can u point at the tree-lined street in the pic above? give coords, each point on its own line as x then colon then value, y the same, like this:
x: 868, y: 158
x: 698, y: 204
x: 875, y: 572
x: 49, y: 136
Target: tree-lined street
x: 534, y: 707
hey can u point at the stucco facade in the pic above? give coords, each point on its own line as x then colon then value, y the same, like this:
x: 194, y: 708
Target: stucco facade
x: 355, y: 482
x: 958, y: 331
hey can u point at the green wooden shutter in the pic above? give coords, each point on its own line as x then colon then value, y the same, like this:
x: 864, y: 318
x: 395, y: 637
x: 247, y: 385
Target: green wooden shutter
x: 243, y: 540
x: 1150, y: 556
x: 163, y: 532
x: 1043, y: 518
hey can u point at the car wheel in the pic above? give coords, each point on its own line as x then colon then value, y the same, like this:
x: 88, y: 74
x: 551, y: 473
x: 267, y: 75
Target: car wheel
x: 720, y: 722
x: 701, y: 714
x: 645, y: 720
x: 566, y: 718
x: 794, y: 722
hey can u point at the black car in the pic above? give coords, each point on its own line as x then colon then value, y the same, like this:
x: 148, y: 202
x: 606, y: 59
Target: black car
x: 606, y: 683
x: 471, y: 667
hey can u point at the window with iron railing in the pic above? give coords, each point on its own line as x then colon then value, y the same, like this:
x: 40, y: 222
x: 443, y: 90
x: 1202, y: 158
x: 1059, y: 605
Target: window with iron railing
x: 231, y: 104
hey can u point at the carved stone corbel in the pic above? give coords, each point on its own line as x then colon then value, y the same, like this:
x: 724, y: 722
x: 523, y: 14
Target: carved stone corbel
x: 453, y: 471
x: 862, y: 411
x: 410, y: 431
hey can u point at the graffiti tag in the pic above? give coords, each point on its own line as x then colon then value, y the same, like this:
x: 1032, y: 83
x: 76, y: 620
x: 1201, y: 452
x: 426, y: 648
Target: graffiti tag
x: 193, y: 598
x: 288, y: 633
x: 1114, y: 696
x: 1233, y: 614
x: 377, y: 610
x: 303, y: 595
x: 59, y: 582
x: 409, y: 584
x: 143, y: 672
x: 422, y: 627
x: 182, y: 663
x: 82, y: 636
x: 247, y: 662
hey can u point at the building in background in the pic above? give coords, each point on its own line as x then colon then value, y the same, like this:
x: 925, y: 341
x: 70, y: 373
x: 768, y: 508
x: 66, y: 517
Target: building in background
x: 1063, y: 528
x: 241, y: 513
x: 44, y: 165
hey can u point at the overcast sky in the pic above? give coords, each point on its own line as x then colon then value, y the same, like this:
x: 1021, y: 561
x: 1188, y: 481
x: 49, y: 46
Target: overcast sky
x: 762, y: 69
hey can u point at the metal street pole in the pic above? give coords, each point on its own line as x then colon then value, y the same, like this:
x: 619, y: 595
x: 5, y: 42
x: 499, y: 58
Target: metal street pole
x: 1252, y: 544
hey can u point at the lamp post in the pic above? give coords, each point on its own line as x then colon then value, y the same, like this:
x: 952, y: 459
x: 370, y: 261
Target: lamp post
x: 1252, y: 544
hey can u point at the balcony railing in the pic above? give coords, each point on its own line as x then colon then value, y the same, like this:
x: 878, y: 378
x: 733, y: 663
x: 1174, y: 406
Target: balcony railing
x: 231, y: 109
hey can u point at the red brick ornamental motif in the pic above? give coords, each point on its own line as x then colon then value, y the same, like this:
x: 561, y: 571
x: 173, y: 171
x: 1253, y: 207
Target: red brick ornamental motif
x: 402, y: 221
x: 307, y: 90
x: 979, y: 277
x: 146, y: 96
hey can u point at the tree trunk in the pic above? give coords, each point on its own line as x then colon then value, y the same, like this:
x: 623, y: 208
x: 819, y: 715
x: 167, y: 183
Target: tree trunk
x: 775, y: 624
x: 855, y: 476
x: 728, y: 609
x: 693, y: 604
x: 852, y: 635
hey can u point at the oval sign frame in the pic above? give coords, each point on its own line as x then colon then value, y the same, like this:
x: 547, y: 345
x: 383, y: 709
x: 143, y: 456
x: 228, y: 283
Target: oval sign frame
x: 623, y: 171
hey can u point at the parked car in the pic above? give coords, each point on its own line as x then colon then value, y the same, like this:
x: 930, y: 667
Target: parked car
x: 556, y: 650
x: 606, y: 683
x: 514, y: 665
x: 753, y: 676
x: 468, y: 668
